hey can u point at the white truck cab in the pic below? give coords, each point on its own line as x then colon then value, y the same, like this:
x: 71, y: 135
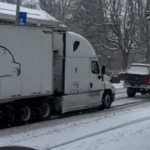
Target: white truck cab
x: 84, y: 84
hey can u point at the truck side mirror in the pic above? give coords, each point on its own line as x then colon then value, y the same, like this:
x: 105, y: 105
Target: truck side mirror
x: 111, y: 80
x: 99, y: 76
x: 103, y: 70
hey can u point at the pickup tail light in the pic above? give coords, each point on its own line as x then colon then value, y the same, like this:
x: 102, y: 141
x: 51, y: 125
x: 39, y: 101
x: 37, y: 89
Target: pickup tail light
x: 148, y: 81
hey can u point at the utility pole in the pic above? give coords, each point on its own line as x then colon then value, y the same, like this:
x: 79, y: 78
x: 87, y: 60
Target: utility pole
x: 17, y: 11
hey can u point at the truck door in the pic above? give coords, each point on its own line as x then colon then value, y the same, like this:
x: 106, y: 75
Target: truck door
x: 96, y: 85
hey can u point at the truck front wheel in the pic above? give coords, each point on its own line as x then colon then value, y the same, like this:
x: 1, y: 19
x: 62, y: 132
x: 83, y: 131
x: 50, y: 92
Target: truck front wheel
x: 131, y: 92
x: 107, y: 101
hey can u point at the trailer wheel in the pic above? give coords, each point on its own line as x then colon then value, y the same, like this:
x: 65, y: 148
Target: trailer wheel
x: 131, y: 92
x: 25, y: 114
x: 9, y: 115
x: 44, y: 110
x: 2, y: 122
x: 107, y: 101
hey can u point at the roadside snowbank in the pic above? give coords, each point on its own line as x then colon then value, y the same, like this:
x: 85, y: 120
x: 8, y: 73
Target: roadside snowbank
x: 119, y: 86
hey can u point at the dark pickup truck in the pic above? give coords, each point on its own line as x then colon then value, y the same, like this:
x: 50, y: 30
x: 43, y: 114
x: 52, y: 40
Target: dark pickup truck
x: 137, y: 79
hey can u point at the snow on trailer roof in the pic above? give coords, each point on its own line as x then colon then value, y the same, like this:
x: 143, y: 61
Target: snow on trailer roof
x: 140, y: 64
x: 8, y: 12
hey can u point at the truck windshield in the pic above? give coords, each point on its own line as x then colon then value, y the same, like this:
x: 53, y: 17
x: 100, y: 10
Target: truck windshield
x: 138, y: 70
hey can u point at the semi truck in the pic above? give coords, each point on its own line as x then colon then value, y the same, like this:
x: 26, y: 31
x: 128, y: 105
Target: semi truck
x: 47, y: 71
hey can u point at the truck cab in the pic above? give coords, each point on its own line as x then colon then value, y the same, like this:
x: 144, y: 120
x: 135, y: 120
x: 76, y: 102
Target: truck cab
x: 82, y: 85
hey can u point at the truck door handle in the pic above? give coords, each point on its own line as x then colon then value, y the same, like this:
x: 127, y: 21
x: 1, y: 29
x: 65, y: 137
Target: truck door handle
x: 91, y: 85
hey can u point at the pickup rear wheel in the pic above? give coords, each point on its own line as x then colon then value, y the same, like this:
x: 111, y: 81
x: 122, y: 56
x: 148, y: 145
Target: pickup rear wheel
x: 143, y: 92
x: 131, y: 92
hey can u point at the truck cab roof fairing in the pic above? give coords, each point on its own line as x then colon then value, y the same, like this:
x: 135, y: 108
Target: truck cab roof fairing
x: 84, y: 48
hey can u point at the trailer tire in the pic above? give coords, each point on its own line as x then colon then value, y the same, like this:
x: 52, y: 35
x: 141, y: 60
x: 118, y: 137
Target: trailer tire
x: 9, y: 114
x: 44, y: 111
x: 2, y: 122
x: 25, y: 114
x: 131, y: 92
x: 107, y: 101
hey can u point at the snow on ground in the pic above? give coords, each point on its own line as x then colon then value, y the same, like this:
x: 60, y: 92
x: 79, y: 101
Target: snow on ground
x: 47, y: 137
x: 132, y: 137
x: 119, y: 102
x: 119, y: 85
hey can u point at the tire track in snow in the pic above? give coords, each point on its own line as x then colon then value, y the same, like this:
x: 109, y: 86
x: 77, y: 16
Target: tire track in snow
x: 103, y: 131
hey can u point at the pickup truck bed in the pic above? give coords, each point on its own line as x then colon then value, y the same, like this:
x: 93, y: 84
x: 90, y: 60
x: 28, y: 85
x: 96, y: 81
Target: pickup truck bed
x: 137, y: 79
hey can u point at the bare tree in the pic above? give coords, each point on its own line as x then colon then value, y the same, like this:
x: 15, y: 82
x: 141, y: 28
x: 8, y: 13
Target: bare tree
x: 123, y: 21
x: 89, y: 20
x: 60, y: 9
x: 112, y: 24
x: 28, y: 4
x: 145, y: 28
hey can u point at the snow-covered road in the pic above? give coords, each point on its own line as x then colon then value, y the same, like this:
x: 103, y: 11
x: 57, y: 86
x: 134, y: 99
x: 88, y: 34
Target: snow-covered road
x: 133, y: 137
x: 56, y: 132
x: 74, y: 132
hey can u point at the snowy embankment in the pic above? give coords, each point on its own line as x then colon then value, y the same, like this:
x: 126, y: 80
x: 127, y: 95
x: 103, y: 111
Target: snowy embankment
x: 119, y: 85
x: 120, y: 89
x: 72, y: 132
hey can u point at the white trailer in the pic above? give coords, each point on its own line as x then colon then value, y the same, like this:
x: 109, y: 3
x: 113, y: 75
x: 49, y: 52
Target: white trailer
x: 45, y: 71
